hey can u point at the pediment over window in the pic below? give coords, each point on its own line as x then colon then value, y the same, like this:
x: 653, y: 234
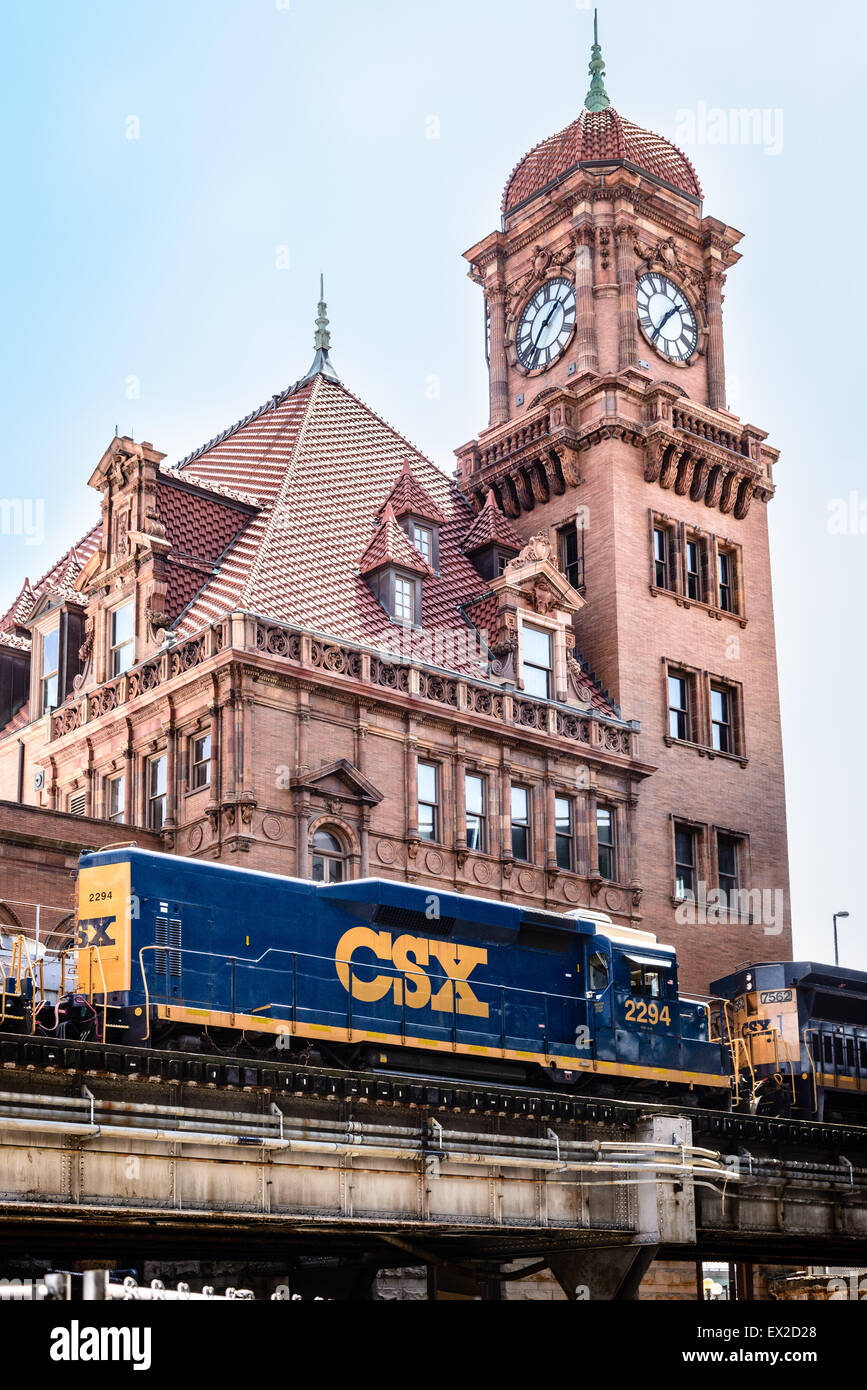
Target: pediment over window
x: 533, y: 581
x: 340, y: 781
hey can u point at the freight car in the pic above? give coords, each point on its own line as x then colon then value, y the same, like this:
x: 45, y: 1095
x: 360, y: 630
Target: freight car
x: 186, y: 953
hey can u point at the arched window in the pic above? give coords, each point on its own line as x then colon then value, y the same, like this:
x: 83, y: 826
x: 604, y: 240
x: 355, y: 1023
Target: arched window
x: 329, y: 858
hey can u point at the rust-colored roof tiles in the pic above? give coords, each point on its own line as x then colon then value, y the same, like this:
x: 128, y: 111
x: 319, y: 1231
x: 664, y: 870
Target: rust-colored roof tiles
x: 59, y: 580
x: 391, y: 546
x: 599, y: 135
x: 491, y: 527
x: 408, y: 498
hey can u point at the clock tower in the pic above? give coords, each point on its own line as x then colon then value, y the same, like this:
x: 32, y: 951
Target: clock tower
x: 609, y: 432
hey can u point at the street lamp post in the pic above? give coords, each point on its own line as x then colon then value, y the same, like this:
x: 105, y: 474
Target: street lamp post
x: 836, y: 951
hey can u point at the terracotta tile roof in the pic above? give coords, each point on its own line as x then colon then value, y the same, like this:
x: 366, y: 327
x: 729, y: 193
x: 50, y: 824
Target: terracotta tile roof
x: 599, y: 135
x: 59, y: 580
x: 322, y: 462
x: 491, y: 527
x: 408, y: 498
x: 391, y: 545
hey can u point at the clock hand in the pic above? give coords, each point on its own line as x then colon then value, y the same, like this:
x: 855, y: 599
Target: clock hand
x: 659, y: 329
x: 547, y: 320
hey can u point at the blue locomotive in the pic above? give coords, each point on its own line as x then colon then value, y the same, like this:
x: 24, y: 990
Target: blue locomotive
x: 183, y: 952
x: 191, y: 955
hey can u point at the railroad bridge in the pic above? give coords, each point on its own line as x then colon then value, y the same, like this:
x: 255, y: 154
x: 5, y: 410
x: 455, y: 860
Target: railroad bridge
x: 154, y: 1155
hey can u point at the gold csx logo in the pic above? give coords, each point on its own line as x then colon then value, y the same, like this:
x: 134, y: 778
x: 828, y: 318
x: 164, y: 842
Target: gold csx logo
x: 412, y: 954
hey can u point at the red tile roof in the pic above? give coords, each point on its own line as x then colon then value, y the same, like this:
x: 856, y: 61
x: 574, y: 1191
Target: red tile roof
x: 602, y: 135
x: 59, y: 580
x: 491, y: 527
x: 408, y: 498
x: 391, y: 546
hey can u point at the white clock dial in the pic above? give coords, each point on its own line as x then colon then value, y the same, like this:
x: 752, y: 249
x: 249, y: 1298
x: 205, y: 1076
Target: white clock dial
x: 546, y: 324
x: 666, y: 317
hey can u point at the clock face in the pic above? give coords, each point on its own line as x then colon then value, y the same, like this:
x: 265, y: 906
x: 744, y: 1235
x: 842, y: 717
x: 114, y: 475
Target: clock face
x: 546, y: 324
x: 666, y: 317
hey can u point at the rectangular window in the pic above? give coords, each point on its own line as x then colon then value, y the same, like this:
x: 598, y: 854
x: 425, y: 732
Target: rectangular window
x: 726, y: 580
x: 122, y: 639
x: 404, y: 600
x: 679, y: 719
x: 694, y: 578
x: 50, y: 669
x: 156, y: 785
x: 572, y: 554
x: 564, y: 833
x: 662, y: 557
x: 605, y: 842
x: 684, y: 861
x: 474, y: 798
x: 727, y: 856
x: 200, y: 761
x: 116, y: 790
x: 428, y: 800
x: 722, y: 732
x: 536, y: 663
x: 520, y: 808
x: 422, y: 539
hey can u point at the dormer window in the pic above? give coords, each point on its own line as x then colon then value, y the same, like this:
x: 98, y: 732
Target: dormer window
x: 536, y: 664
x: 50, y: 670
x: 422, y: 538
x: 404, y: 599
x: 122, y: 632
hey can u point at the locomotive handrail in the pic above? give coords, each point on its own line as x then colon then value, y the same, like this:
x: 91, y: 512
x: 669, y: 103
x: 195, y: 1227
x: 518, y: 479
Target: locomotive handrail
x: 380, y: 966
x: 812, y: 1065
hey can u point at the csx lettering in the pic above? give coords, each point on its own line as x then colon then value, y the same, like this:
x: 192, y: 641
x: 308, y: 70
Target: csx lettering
x: 94, y: 932
x: 411, y: 955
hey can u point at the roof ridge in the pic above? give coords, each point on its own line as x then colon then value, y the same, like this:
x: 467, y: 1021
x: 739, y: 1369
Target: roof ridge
x: 273, y: 506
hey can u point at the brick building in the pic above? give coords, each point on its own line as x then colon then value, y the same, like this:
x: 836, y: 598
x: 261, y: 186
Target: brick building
x: 552, y: 679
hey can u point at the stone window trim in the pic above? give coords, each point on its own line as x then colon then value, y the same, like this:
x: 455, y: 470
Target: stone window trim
x: 195, y: 735
x: 744, y: 851
x: 558, y: 636
x: 711, y: 546
x: 701, y: 863
x: 700, y: 683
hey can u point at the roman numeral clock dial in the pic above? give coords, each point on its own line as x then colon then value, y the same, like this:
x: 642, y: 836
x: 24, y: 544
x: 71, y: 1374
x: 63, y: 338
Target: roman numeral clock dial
x: 666, y: 317
x: 546, y: 325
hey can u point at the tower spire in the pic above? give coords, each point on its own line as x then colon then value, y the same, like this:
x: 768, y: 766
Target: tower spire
x: 597, y: 98
x: 321, y: 341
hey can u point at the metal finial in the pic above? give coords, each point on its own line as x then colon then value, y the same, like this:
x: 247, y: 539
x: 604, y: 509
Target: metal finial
x: 322, y: 337
x: 597, y: 98
x: 321, y: 342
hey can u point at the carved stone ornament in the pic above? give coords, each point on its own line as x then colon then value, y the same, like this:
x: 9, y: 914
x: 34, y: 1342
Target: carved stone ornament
x: 504, y: 656
x: 576, y: 684
x: 543, y: 596
x: 544, y: 263
x: 538, y: 548
x: 665, y: 254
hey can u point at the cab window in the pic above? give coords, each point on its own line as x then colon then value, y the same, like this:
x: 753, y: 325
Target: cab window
x: 597, y: 971
x: 644, y: 980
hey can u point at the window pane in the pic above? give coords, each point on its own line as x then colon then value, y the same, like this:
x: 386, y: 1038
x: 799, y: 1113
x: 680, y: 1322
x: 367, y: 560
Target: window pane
x: 403, y: 599
x: 719, y: 703
x: 426, y: 822
x: 563, y: 814
x: 423, y: 540
x: 157, y: 773
x: 115, y: 797
x: 121, y: 624
x: 520, y: 841
x: 49, y: 694
x: 536, y: 682
x: 474, y: 833
x: 474, y: 796
x: 564, y: 852
x: 50, y: 648
x: 519, y: 805
x: 605, y: 841
x: 323, y: 840
x: 427, y: 783
x: 202, y: 749
x: 537, y: 646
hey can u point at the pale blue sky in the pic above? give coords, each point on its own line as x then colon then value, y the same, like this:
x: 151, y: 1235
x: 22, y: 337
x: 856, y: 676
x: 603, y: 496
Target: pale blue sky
x: 306, y: 126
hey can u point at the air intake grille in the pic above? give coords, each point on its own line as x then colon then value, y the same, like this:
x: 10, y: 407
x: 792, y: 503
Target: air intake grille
x: 408, y: 919
x: 167, y: 933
